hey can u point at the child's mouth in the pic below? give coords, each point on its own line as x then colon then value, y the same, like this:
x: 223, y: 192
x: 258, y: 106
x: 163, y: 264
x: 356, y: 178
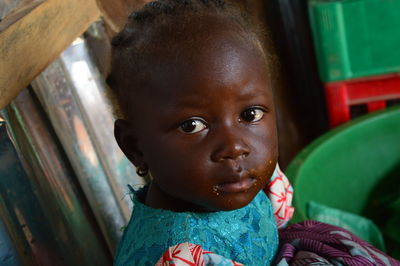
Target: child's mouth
x: 234, y: 187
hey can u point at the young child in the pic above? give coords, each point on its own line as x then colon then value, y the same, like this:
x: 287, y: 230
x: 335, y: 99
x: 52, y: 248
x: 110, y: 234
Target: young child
x: 191, y: 79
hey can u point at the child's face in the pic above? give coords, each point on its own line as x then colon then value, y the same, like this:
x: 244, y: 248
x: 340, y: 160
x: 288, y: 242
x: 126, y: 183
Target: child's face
x: 208, y: 135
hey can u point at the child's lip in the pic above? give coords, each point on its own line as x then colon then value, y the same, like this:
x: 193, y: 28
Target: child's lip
x: 241, y: 185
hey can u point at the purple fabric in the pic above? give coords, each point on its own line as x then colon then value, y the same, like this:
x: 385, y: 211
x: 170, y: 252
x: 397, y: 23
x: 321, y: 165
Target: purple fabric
x: 316, y: 243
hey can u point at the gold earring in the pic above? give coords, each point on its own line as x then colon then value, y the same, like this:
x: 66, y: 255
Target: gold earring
x: 142, y: 171
x: 215, y: 190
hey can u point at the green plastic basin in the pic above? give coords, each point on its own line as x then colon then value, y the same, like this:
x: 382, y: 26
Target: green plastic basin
x: 342, y: 167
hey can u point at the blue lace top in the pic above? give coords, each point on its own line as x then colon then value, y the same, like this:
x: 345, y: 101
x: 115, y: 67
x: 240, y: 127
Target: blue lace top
x: 247, y: 235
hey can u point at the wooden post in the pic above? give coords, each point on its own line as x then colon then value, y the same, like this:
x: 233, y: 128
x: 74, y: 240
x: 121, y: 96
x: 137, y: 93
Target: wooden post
x: 33, y: 36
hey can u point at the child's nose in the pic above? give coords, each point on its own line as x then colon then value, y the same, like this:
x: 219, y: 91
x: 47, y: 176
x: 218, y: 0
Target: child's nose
x: 230, y: 147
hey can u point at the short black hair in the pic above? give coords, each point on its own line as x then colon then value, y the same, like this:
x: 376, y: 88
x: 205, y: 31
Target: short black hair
x: 131, y: 48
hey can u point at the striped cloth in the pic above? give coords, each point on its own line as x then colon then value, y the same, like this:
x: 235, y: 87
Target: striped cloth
x: 316, y: 243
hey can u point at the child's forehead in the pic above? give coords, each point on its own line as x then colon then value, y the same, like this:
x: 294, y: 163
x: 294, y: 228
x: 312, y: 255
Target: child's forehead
x: 220, y: 56
x: 217, y: 47
x: 229, y: 69
x: 178, y: 53
x: 199, y: 55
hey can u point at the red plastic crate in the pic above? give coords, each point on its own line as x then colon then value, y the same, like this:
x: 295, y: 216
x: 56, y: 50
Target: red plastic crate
x: 372, y: 91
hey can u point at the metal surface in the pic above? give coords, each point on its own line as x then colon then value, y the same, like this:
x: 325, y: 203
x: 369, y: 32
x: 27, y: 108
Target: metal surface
x: 73, y: 96
x: 90, y: 92
x: 18, y: 203
x: 58, y: 227
x: 8, y: 252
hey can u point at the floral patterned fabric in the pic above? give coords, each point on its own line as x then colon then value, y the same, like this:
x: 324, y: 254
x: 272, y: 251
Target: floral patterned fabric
x: 280, y: 193
x: 193, y: 255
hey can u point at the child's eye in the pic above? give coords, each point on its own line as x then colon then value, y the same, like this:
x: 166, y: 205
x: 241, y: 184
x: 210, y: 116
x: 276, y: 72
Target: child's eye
x: 252, y: 114
x: 192, y: 126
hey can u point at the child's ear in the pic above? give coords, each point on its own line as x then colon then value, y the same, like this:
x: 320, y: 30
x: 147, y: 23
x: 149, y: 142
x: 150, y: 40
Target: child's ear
x: 127, y: 141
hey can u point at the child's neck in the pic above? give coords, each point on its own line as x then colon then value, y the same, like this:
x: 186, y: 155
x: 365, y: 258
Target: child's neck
x: 157, y: 198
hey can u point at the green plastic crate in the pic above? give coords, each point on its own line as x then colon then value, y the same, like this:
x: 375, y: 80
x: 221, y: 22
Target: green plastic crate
x: 355, y: 38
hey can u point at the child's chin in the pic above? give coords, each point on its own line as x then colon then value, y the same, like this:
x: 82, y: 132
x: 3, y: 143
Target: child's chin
x: 232, y: 201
